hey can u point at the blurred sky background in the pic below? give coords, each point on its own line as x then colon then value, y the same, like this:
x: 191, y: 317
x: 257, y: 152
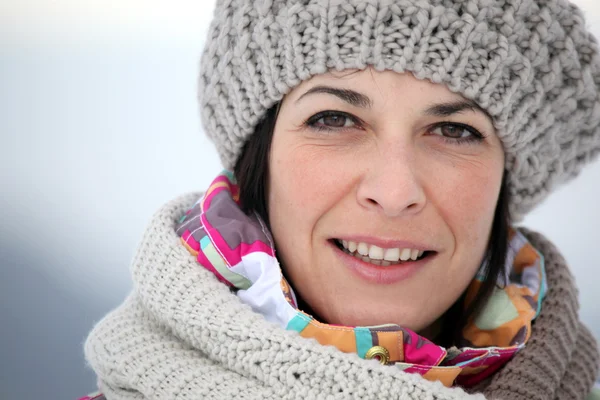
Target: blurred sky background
x: 99, y: 127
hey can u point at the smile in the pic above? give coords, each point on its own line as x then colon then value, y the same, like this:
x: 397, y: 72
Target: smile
x: 379, y: 256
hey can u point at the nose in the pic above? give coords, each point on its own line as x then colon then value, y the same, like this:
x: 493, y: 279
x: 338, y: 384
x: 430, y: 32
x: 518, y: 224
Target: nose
x: 391, y: 186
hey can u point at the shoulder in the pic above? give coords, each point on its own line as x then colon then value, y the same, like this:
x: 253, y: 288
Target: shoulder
x: 168, y: 214
x: 558, y: 274
x: 561, y: 306
x: 179, y: 205
x: 542, y: 244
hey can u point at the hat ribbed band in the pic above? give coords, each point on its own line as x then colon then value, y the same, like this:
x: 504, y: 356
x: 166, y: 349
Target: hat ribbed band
x: 533, y: 67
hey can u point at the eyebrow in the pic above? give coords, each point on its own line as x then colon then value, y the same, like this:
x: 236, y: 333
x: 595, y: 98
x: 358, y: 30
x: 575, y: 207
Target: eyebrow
x: 351, y: 97
x: 454, y: 107
x: 360, y: 100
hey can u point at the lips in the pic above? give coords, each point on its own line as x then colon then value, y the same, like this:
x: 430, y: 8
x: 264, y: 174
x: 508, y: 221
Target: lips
x: 368, y: 261
x: 379, y: 255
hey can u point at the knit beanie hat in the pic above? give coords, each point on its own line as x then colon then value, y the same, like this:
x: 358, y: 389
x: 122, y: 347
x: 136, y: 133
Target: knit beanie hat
x: 531, y: 64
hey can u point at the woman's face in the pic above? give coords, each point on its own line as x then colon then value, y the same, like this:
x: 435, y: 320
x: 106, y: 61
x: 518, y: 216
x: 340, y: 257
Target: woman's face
x: 369, y: 171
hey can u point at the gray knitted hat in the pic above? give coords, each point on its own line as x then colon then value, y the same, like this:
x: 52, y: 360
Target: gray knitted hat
x: 530, y: 63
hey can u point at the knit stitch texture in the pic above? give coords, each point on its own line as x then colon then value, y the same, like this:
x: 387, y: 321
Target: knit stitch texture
x: 182, y: 334
x: 531, y: 64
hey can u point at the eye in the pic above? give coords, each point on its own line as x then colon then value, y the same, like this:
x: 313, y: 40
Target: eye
x: 457, y: 132
x: 332, y: 120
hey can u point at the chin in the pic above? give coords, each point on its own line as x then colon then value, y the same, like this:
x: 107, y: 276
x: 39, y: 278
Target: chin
x: 357, y: 316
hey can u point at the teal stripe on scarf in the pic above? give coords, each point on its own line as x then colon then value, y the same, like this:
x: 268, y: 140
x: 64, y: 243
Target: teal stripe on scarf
x: 298, y: 323
x: 229, y: 175
x: 364, y: 340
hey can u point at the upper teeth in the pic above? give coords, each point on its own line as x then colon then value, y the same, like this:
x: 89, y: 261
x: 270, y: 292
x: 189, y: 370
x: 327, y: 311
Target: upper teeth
x: 378, y: 253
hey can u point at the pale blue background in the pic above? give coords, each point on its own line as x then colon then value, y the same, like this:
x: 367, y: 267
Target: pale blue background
x: 98, y: 128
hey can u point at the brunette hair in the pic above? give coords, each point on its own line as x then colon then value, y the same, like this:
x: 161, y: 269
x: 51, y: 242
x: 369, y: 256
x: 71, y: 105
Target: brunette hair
x: 251, y: 172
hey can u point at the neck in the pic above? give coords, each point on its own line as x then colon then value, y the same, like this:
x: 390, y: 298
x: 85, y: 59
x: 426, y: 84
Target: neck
x: 433, y: 331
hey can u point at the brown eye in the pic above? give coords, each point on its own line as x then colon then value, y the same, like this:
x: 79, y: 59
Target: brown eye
x: 332, y: 120
x: 454, y: 131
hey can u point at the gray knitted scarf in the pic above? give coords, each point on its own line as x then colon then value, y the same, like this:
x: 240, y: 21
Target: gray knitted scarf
x: 182, y: 334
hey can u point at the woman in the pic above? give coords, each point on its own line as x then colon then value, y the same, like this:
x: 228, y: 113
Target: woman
x: 378, y: 154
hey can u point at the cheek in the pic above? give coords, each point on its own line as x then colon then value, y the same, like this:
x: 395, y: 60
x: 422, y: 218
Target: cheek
x: 293, y: 179
x: 468, y: 201
x: 305, y: 179
x: 304, y: 183
x: 465, y: 199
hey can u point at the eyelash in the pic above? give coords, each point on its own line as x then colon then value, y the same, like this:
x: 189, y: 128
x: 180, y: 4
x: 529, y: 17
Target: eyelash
x: 475, y: 137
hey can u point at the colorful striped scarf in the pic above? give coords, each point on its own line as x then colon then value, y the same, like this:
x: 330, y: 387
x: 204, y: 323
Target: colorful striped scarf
x: 239, y: 250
